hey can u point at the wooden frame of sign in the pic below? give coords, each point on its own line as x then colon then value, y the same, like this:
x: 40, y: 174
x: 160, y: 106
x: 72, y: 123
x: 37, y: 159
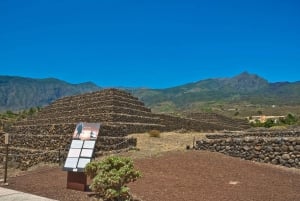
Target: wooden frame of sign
x: 80, y: 153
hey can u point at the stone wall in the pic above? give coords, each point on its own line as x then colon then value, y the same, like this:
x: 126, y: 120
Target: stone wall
x: 25, y: 158
x: 175, y: 123
x: 28, y: 150
x: 228, y: 123
x: 283, y: 151
x: 288, y: 133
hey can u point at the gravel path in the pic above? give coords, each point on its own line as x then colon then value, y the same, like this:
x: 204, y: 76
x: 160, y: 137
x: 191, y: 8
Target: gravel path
x: 180, y: 176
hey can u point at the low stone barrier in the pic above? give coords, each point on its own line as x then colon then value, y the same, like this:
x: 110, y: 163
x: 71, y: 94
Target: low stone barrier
x: 41, y: 142
x: 27, y: 155
x: 25, y: 158
x: 114, y: 143
x: 283, y: 151
x: 255, y: 134
x: 176, y: 123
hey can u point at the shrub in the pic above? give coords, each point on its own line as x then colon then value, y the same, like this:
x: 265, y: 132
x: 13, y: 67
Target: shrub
x: 154, y: 133
x: 110, y: 176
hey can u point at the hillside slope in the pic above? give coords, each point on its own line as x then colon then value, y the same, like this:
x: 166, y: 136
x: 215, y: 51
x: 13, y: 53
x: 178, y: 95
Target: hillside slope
x: 20, y: 93
x: 244, y: 87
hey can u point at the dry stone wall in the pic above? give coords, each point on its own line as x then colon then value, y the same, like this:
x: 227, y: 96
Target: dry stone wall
x: 228, y: 123
x: 176, y: 123
x: 258, y: 147
x: 25, y: 158
x: 289, y: 133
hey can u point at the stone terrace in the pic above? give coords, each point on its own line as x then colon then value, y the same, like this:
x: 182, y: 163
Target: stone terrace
x: 222, y: 121
x: 40, y: 137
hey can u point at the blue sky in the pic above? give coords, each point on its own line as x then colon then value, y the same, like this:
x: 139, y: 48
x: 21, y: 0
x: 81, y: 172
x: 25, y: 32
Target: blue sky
x: 156, y: 44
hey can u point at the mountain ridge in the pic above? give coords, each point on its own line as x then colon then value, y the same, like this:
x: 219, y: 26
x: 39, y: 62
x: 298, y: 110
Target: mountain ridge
x: 18, y: 93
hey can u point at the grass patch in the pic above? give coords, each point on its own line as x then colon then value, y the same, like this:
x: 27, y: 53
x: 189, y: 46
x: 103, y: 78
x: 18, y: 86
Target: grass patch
x: 154, y: 133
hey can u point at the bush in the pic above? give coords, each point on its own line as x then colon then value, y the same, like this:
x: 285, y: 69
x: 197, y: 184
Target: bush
x: 154, y: 133
x: 110, y: 176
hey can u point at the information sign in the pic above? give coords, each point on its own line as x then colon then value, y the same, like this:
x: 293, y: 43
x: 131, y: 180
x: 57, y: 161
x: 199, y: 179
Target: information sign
x: 82, y: 146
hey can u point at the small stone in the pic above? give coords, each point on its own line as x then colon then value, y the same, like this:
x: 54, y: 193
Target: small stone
x: 269, y: 148
x: 286, y: 157
x: 266, y: 159
x: 284, y: 148
x: 277, y: 149
x: 291, y: 148
x: 282, y: 162
x: 257, y: 148
x: 246, y: 148
x: 248, y: 139
x: 290, y: 161
x: 297, y: 147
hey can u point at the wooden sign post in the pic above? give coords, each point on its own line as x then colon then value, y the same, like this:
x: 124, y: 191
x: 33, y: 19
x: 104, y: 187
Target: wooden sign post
x: 6, y: 142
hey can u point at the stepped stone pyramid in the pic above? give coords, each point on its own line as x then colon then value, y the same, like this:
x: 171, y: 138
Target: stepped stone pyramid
x: 47, y: 135
x: 41, y: 137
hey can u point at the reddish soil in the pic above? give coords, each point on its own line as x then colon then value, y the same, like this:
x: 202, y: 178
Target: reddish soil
x: 178, y: 176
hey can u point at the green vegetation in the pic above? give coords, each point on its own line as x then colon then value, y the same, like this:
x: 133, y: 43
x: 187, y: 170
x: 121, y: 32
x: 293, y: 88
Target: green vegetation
x: 110, y: 177
x: 290, y: 119
x: 154, y: 133
x: 9, y: 117
x: 245, y: 90
x: 251, y: 94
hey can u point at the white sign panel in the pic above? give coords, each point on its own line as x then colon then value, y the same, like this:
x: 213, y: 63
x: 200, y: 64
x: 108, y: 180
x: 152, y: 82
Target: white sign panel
x: 71, y: 163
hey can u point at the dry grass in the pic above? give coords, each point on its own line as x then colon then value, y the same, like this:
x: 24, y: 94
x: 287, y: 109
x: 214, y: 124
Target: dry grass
x: 168, y: 141
x: 154, y: 133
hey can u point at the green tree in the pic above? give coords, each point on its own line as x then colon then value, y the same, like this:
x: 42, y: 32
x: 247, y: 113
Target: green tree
x: 269, y: 123
x: 290, y: 119
x: 110, y: 177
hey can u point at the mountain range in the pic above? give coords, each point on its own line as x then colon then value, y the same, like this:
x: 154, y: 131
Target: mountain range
x: 18, y: 93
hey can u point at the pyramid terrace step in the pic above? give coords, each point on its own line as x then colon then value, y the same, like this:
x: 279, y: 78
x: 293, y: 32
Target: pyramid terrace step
x: 100, y: 93
x: 41, y: 142
x: 87, y: 105
x: 106, y: 128
x: 76, y: 101
x: 114, y: 143
x: 54, y: 113
x: 43, y: 129
x: 123, y: 129
x: 25, y: 157
x: 95, y: 118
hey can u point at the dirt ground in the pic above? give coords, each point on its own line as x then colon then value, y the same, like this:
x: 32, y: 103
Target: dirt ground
x: 172, y: 173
